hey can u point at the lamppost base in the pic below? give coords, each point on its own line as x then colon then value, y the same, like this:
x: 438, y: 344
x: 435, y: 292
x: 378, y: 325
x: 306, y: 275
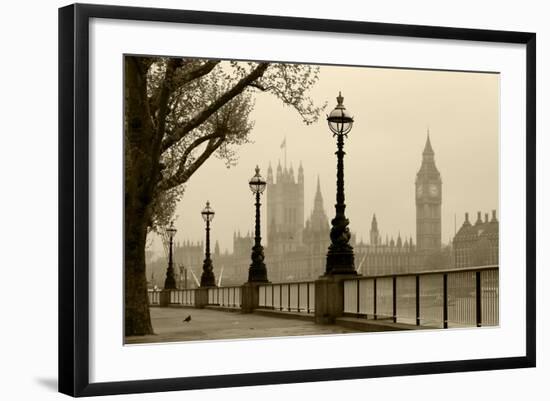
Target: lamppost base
x: 257, y: 273
x: 170, y: 283
x: 207, y: 277
x: 208, y: 280
x: 340, y: 262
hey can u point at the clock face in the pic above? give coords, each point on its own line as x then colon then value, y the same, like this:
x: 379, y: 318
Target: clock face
x: 419, y: 190
x: 433, y: 190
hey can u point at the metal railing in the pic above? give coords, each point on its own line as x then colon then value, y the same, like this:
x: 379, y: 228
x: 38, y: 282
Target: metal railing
x: 153, y: 296
x: 225, y: 296
x: 288, y: 297
x: 182, y: 297
x: 448, y: 298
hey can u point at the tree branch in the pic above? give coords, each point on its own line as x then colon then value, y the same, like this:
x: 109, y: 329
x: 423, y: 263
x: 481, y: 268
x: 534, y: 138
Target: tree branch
x: 181, y: 176
x: 198, y: 72
x: 197, y: 142
x: 260, y: 86
x: 187, y: 77
x: 281, y: 94
x: 216, y: 105
x: 166, y: 89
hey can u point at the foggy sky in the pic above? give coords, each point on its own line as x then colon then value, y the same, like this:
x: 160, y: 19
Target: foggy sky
x: 393, y: 110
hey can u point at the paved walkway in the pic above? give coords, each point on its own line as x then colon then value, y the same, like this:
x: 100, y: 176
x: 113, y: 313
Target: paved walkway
x: 209, y: 324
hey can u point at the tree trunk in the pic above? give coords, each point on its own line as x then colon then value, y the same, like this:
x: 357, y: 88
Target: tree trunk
x: 137, y: 318
x: 139, y: 180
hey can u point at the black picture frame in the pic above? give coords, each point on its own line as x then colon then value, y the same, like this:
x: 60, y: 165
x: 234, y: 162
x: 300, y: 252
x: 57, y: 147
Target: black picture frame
x: 74, y: 198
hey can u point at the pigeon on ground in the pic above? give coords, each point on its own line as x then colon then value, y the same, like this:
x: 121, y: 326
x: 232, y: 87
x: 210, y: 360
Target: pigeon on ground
x: 187, y: 319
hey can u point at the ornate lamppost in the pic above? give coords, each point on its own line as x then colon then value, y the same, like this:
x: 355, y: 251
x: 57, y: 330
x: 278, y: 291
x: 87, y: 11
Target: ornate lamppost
x: 257, y: 271
x: 340, y: 258
x: 170, y: 282
x: 207, y: 277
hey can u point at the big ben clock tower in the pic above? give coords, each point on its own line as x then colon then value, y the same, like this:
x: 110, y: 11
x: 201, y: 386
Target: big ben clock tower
x: 428, y: 202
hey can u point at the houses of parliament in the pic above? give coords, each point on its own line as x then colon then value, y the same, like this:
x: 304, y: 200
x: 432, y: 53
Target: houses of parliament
x: 296, y: 246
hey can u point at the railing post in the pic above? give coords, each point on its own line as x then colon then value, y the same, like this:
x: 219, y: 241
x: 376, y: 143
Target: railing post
x: 201, y: 297
x: 394, y: 298
x: 288, y: 295
x: 445, y: 304
x: 280, y: 297
x: 417, y: 298
x: 358, y: 303
x: 298, y: 298
x: 250, y: 297
x: 164, y: 299
x: 374, y: 301
x: 478, y: 298
x: 307, y: 286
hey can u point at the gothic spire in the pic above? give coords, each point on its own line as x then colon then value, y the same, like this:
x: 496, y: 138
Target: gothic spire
x: 374, y: 223
x: 318, y: 219
x: 479, y: 221
x: 270, y: 174
x: 428, y: 169
x: 374, y: 235
x: 318, y: 203
x: 428, y: 147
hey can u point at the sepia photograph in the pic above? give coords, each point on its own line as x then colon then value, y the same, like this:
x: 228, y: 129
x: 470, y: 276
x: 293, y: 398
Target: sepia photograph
x: 272, y: 199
